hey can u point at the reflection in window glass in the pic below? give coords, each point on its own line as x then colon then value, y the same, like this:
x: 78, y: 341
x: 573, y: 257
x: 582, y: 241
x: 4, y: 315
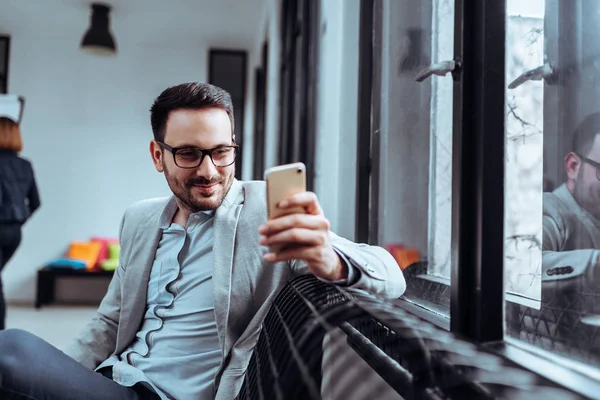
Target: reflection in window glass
x: 440, y: 157
x: 416, y: 146
x: 553, y: 178
x: 524, y: 150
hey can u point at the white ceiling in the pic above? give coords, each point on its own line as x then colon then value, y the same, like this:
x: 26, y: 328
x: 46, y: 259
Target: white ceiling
x: 235, y: 23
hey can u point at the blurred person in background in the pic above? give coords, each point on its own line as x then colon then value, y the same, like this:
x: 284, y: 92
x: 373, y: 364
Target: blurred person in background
x: 19, y: 196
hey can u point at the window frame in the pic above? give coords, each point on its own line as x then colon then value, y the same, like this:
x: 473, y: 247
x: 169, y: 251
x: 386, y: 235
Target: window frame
x: 367, y: 166
x: 4, y: 79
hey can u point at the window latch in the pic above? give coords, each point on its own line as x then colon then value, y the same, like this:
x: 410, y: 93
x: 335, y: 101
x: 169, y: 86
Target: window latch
x: 439, y: 69
x: 543, y: 72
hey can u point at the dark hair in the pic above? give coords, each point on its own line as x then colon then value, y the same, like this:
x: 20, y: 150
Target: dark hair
x: 193, y: 95
x: 583, y: 138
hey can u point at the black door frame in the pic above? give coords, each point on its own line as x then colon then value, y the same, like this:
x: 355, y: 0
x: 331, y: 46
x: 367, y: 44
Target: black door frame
x: 239, y: 111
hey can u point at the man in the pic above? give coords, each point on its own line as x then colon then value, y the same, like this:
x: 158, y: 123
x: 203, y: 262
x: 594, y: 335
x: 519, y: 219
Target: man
x: 571, y: 216
x: 184, y: 309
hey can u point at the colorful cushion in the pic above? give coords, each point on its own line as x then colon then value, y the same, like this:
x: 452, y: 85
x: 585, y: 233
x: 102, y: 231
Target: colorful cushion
x: 110, y: 265
x: 404, y: 256
x: 67, y: 263
x: 104, y: 243
x: 86, y: 251
x: 114, y: 250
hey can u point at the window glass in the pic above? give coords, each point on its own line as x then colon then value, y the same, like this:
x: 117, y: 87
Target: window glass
x: 552, y: 191
x: 415, y: 148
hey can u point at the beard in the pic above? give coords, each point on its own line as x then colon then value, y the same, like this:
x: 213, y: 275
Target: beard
x: 195, y: 202
x: 587, y: 197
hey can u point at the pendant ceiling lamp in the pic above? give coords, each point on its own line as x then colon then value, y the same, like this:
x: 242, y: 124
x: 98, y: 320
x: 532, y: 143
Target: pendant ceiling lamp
x: 98, y: 39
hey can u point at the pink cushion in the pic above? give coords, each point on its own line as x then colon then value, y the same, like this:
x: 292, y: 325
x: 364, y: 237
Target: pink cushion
x: 104, y: 242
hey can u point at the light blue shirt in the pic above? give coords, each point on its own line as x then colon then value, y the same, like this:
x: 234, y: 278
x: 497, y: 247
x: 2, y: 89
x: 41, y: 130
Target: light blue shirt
x: 177, y: 349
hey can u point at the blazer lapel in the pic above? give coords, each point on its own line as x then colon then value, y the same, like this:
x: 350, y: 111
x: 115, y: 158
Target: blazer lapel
x: 226, y: 220
x: 135, y: 281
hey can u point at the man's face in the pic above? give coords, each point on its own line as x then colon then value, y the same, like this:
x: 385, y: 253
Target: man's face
x: 202, y: 188
x: 586, y: 186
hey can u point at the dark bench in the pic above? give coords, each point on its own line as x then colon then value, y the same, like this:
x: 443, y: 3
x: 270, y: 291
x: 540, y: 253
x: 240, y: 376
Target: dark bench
x: 46, y: 279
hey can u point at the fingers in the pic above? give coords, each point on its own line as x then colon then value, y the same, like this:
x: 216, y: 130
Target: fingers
x: 297, y: 237
x: 306, y: 253
x: 307, y: 200
x: 314, y: 222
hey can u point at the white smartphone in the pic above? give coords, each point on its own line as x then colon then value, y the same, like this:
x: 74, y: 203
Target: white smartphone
x: 283, y: 182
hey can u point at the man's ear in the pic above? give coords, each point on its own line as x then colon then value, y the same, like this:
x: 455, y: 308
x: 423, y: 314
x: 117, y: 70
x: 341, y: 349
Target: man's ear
x: 156, y: 152
x: 572, y: 165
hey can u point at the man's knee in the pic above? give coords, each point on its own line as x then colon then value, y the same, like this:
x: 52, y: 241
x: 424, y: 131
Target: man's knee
x: 17, y: 348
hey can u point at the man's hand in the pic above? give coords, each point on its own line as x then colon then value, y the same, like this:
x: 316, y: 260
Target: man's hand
x: 304, y: 237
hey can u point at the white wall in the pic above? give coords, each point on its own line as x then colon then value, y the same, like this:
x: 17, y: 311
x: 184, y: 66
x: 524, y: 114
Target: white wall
x: 273, y: 29
x: 86, y: 129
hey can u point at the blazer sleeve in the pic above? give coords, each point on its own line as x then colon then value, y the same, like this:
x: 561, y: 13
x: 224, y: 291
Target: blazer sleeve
x: 97, y: 341
x: 33, y: 195
x: 378, y: 272
x: 560, y: 267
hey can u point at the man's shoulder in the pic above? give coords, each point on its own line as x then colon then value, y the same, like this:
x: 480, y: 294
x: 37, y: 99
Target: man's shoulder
x: 558, y: 202
x: 148, y: 207
x: 254, y: 187
x: 254, y: 198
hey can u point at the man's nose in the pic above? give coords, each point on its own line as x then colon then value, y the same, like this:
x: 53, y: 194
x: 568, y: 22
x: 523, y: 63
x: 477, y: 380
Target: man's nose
x: 206, y: 168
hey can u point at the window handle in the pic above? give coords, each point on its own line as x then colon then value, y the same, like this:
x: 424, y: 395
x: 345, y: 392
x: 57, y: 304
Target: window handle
x: 439, y: 69
x: 542, y: 72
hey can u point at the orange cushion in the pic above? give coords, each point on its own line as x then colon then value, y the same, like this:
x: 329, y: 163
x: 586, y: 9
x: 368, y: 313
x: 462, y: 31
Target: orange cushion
x: 86, y: 251
x: 405, y: 256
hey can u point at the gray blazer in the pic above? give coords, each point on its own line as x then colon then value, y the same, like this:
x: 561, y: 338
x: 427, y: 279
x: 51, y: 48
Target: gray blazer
x: 571, y: 240
x: 244, y: 284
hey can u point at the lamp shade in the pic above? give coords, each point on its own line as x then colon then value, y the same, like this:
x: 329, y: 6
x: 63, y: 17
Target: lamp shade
x: 98, y: 39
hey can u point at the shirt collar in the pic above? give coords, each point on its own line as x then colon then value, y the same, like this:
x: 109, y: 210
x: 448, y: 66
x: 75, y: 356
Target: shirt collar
x: 171, y: 208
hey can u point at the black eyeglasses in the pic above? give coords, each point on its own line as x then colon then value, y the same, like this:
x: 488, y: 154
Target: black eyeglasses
x: 192, y: 157
x: 593, y: 163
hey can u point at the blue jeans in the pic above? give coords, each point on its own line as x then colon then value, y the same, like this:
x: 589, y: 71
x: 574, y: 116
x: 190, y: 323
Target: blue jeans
x: 31, y: 368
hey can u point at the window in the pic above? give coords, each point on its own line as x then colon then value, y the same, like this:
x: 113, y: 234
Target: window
x: 524, y: 152
x: 409, y: 140
x: 479, y: 169
x: 552, y: 189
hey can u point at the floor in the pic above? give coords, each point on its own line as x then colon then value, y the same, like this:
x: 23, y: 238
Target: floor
x: 55, y: 324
